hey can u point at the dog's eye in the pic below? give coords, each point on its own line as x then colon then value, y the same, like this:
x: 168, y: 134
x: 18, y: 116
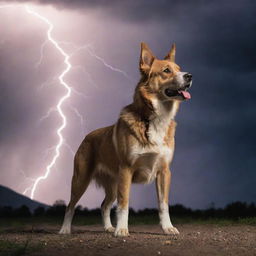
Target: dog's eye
x: 167, y: 70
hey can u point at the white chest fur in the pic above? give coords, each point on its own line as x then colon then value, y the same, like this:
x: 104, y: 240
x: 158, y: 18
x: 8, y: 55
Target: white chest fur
x: 146, y: 159
x: 162, y: 151
x: 159, y: 147
x: 157, y: 131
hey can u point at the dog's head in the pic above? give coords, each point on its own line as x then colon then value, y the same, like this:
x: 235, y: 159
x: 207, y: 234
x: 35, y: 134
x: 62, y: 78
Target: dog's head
x: 164, y: 77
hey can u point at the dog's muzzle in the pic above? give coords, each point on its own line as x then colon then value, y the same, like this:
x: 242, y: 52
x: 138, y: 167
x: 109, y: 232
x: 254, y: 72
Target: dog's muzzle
x: 174, y: 93
x: 184, y: 81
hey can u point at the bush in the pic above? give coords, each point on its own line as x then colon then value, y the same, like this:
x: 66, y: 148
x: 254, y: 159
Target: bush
x: 22, y: 211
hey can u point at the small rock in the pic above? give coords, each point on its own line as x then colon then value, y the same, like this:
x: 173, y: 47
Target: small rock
x: 124, y: 240
x: 159, y: 253
x: 109, y: 245
x: 167, y: 242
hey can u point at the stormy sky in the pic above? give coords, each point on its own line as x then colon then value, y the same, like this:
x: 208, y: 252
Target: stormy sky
x: 214, y: 160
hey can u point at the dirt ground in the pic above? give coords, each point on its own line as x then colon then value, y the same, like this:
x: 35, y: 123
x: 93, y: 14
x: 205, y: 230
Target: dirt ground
x: 194, y: 239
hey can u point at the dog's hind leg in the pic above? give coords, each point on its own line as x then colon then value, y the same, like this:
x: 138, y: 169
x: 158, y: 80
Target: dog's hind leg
x: 83, y: 169
x: 110, y: 187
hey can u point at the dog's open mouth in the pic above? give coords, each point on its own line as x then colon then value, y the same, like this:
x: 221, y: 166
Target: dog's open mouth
x: 173, y: 93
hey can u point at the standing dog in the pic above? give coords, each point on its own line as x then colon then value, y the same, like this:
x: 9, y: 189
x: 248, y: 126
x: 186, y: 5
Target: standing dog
x: 137, y: 148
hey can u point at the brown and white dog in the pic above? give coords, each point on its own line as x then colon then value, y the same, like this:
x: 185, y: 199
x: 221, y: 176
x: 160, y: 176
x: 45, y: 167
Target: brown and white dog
x: 138, y: 148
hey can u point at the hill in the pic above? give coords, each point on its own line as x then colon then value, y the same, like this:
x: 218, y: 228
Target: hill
x: 11, y: 198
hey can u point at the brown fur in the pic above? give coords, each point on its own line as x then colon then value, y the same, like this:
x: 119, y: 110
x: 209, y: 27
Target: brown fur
x: 108, y: 155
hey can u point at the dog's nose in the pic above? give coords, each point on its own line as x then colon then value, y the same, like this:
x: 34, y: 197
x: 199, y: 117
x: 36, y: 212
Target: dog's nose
x: 188, y: 77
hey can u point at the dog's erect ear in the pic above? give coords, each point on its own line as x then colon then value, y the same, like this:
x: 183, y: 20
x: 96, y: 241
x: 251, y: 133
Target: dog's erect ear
x: 146, y: 58
x: 171, y: 55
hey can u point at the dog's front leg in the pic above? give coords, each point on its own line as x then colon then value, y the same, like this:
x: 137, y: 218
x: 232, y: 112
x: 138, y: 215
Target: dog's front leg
x: 124, y: 184
x: 163, y: 180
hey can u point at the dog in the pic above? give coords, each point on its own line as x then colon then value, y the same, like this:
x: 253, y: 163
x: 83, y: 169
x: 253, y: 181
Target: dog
x: 138, y: 148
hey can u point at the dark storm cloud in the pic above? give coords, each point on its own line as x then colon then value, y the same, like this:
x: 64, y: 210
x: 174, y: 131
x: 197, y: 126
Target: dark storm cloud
x: 222, y: 33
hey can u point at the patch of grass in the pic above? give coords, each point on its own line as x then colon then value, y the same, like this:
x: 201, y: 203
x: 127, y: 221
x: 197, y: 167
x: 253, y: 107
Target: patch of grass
x: 143, y: 220
x: 21, y: 222
x: 248, y: 221
x: 215, y: 221
x: 87, y: 220
x: 152, y: 219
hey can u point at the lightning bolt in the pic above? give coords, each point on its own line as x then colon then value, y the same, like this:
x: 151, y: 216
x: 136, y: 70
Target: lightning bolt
x: 90, y: 50
x: 41, y: 54
x: 47, y: 83
x: 61, y: 101
x: 77, y: 113
x: 72, y: 152
x: 93, y: 54
x: 25, y: 179
x: 49, y: 112
x: 58, y: 108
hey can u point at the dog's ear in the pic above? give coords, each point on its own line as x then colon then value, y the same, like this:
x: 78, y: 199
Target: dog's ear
x: 171, y: 55
x: 146, y: 58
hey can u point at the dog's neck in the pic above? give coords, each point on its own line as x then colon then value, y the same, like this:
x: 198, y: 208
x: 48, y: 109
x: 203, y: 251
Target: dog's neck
x: 165, y: 109
x: 150, y: 108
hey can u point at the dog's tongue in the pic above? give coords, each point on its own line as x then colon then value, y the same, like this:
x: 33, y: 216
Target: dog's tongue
x: 185, y: 94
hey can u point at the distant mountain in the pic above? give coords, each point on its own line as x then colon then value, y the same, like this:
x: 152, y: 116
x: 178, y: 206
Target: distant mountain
x: 11, y: 198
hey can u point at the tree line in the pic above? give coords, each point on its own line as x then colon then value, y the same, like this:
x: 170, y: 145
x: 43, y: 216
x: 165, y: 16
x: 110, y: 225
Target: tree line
x: 233, y: 210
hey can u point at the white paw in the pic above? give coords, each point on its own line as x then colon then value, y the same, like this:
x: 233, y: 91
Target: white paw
x: 171, y: 231
x: 110, y: 229
x: 122, y: 232
x: 65, y: 231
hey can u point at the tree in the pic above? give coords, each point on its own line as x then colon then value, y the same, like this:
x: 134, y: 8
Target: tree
x: 39, y: 211
x: 22, y: 211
